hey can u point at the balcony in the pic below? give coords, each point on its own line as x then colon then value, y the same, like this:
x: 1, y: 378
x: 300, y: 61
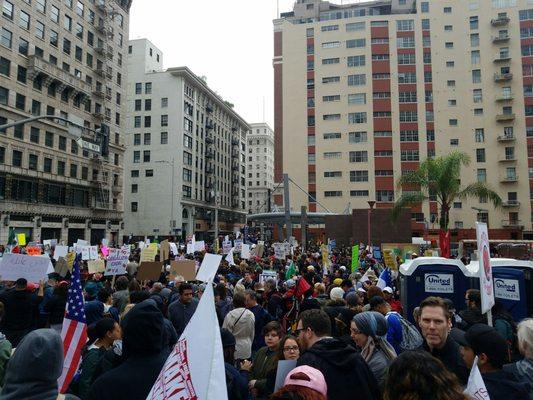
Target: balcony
x: 512, y: 223
x: 209, y: 139
x: 235, y: 191
x: 209, y: 126
x: 37, y: 66
x: 235, y: 153
x: 500, y: 39
x: 209, y: 108
x: 505, y: 117
x: 235, y: 166
x: 208, y: 185
x: 235, y: 203
x: 209, y: 154
x: 505, y: 138
x: 499, y: 58
x: 99, y: 49
x: 509, y: 179
x: 235, y: 142
x: 500, y: 21
x: 505, y: 97
x: 209, y: 170
x: 235, y: 180
x: 507, y: 158
x: 98, y: 93
x: 99, y: 115
x: 511, y: 203
x: 502, y: 77
x: 99, y: 71
x: 234, y: 129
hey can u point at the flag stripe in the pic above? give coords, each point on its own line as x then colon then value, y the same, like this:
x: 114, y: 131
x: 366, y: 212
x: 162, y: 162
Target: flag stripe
x: 73, y: 353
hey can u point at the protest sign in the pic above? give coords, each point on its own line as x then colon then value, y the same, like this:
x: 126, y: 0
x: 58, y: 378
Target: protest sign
x: 105, y: 251
x: 245, y: 251
x: 164, y: 250
x: 15, y: 266
x: 93, y: 253
x: 485, y: 270
x: 149, y: 270
x: 33, y: 250
x: 209, y: 267
x: 226, y: 246
x: 61, y: 267
x: 279, y: 251
x: 268, y: 275
x: 148, y: 253
x: 403, y: 250
x: 185, y: 268
x: 476, y: 388
x: 117, y: 260
x: 173, y: 248
x: 85, y: 253
x: 390, y: 259
x: 96, y: 266
x: 195, y: 367
x: 355, y: 258
x: 21, y: 239
x: 284, y: 367
x: 238, y: 245
x: 199, y: 246
x: 230, y: 258
x: 60, y: 251
x: 190, y: 248
x: 70, y: 257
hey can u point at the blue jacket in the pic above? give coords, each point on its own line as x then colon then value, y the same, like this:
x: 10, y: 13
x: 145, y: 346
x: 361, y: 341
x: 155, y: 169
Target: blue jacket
x: 394, y: 333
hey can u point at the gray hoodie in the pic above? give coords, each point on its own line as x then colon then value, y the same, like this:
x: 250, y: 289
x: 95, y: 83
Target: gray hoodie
x: 35, y: 367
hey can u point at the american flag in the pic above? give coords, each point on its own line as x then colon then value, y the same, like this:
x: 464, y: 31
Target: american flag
x: 74, y: 331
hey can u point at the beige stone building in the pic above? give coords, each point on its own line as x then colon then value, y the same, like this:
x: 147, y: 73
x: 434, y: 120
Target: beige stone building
x: 260, y: 170
x: 367, y: 91
x: 62, y: 58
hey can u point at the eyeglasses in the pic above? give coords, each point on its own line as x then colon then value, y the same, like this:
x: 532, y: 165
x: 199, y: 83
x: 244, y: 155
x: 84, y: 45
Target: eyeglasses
x: 291, y: 348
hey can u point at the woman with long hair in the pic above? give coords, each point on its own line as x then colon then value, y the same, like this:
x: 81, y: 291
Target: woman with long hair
x: 417, y: 375
x: 288, y: 349
x: 368, y: 330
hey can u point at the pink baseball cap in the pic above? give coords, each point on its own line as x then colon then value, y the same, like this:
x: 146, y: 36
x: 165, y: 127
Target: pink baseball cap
x: 315, y: 380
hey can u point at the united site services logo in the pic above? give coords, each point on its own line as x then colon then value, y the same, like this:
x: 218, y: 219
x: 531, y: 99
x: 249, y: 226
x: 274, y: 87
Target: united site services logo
x: 506, y: 289
x: 438, y: 283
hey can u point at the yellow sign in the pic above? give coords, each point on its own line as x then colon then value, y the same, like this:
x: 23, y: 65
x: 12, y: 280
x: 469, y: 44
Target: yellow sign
x: 21, y: 239
x: 70, y: 259
x: 149, y: 253
x: 390, y: 259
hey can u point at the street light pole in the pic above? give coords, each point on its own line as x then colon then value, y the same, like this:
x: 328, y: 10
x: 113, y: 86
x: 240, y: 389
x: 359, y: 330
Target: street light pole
x: 371, y: 204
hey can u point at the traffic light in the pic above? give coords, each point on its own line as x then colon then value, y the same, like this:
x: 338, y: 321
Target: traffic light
x: 104, y: 140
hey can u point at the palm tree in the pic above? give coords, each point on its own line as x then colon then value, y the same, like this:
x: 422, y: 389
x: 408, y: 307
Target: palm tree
x: 440, y: 178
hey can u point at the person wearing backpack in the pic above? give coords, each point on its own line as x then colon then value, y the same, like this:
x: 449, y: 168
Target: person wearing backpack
x: 394, y: 332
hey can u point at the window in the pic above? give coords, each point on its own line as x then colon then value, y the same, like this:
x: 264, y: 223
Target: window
x: 331, y: 79
x: 356, y: 61
x: 24, y: 20
x: 425, y: 24
x: 147, y: 121
x: 407, y: 58
x: 148, y: 88
x: 452, y: 103
x: 328, y: 28
x: 480, y: 155
x: 67, y: 23
x: 452, y: 122
x: 39, y: 30
x: 21, y: 74
x: 4, y: 96
x: 409, y: 155
x: 481, y: 175
x: 332, y: 174
x: 474, y: 23
x: 407, y: 97
x: 332, y: 154
x: 7, y: 9
x: 327, y: 136
x: 355, y: 43
x: 358, y: 176
x: 450, y: 83
x: 405, y: 25
x: 427, y: 58
x: 448, y: 28
x: 407, y: 77
x: 358, y: 156
x: 147, y: 139
x: 355, y: 26
x: 17, y: 158
x: 331, y: 98
x: 454, y: 142
x: 134, y: 206
x: 136, y: 157
x: 331, y: 45
x: 357, y: 98
x: 476, y: 76
x: 164, y: 120
x: 164, y: 102
x: 406, y: 42
x: 474, y: 57
x: 5, y: 66
x: 479, y: 135
x: 477, y: 95
x: 34, y: 135
x: 146, y: 156
x: 357, y: 118
x: 474, y: 39
x: 49, y: 139
x: 164, y: 137
x: 424, y: 7
x: 385, y: 195
x: 20, y: 102
x: 356, y: 80
x: 331, y: 117
x: 408, y: 136
x: 61, y: 168
x: 333, y: 193
x: 357, y: 137
x: 408, y: 116
x: 7, y: 38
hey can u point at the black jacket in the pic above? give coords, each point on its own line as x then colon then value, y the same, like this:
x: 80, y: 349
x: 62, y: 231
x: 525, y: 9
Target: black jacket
x: 471, y: 316
x: 346, y: 372
x: 143, y: 353
x: 450, y: 355
x: 502, y: 385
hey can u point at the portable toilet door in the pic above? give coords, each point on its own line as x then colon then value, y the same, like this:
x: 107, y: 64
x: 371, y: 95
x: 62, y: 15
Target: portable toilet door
x: 433, y: 276
x: 512, y: 284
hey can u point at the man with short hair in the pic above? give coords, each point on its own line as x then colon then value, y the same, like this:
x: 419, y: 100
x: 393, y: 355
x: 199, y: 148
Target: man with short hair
x: 347, y: 286
x: 182, y: 310
x: 472, y: 314
x: 273, y: 300
x: 491, y: 349
x: 122, y: 294
x: 345, y: 371
x: 435, y: 324
x: 262, y: 317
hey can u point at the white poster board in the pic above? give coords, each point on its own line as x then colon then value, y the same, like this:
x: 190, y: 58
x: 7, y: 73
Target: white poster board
x: 32, y: 268
x: 209, y: 267
x: 485, y: 269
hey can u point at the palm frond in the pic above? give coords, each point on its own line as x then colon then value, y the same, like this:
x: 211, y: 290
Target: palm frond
x: 480, y: 189
x: 405, y: 201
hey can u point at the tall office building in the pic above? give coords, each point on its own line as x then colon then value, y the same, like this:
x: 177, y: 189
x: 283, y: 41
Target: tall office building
x: 62, y: 58
x: 185, y: 151
x: 260, y: 170
x: 367, y: 91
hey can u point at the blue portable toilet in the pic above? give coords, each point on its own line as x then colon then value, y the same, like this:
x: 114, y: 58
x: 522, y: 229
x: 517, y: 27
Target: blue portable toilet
x: 433, y: 276
x: 513, y: 284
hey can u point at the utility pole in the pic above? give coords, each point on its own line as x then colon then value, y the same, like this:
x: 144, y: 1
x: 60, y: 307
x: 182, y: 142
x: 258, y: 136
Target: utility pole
x: 287, y: 203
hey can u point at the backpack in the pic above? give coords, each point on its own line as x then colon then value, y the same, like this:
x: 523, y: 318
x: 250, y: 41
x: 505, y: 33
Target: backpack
x: 411, y: 337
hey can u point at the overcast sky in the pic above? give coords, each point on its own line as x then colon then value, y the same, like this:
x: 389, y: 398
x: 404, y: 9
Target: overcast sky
x: 228, y: 41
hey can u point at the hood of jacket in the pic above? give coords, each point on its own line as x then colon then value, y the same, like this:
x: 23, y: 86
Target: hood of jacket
x: 335, y: 352
x: 142, y: 329
x: 503, y: 384
x: 34, y: 368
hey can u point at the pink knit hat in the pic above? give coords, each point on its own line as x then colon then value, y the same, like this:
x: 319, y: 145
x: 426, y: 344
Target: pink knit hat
x: 315, y: 382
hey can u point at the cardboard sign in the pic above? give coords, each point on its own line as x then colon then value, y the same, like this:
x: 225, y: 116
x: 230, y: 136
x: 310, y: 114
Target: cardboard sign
x: 209, y: 267
x: 149, y: 271
x: 173, y: 248
x: 226, y: 247
x: 61, y: 267
x: 96, y: 266
x: 60, y: 251
x: 390, y: 259
x: 33, y: 251
x: 185, y: 268
x: 199, y: 246
x: 117, y: 260
x: 164, y: 250
x: 15, y: 266
x: 148, y: 253
x: 284, y: 367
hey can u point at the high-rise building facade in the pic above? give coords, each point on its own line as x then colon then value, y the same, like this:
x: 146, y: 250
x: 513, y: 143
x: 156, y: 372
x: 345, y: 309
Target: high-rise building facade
x: 260, y: 169
x: 185, y: 151
x: 62, y: 58
x: 367, y: 91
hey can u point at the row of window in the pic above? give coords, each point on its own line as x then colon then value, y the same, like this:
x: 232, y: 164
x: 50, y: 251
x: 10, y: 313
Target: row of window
x: 381, y: 195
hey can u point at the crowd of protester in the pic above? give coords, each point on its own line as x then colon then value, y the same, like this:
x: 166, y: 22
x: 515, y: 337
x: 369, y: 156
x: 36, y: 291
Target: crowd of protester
x: 349, y: 337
